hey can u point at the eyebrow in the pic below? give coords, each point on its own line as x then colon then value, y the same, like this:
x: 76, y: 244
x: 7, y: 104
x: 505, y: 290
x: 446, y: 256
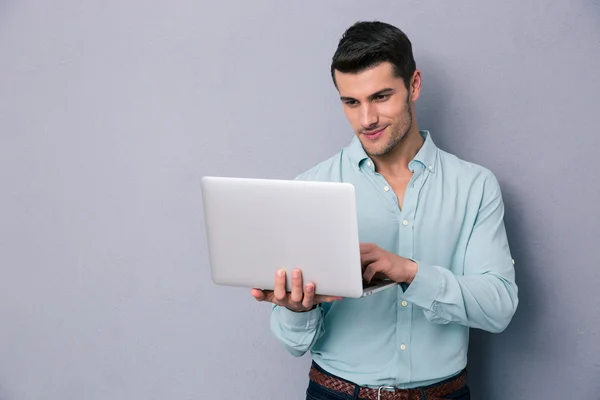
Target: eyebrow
x: 378, y: 93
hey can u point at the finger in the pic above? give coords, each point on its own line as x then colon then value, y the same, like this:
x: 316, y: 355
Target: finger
x: 309, y: 296
x: 279, y: 290
x: 368, y: 258
x: 265, y: 295
x: 296, y: 295
x: 367, y: 247
x: 371, y: 270
x: 258, y: 294
x: 379, y: 276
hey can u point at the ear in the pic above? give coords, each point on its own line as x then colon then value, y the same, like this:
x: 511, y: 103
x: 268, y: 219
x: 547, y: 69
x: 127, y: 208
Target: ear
x: 415, y: 85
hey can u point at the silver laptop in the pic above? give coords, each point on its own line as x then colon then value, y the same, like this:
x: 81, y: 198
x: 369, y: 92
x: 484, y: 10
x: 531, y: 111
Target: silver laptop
x: 256, y: 226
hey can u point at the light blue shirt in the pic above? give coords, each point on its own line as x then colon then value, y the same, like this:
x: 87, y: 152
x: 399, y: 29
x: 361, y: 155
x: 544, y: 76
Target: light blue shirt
x: 451, y: 224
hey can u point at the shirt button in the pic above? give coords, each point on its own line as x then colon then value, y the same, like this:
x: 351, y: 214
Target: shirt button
x: 405, y: 222
x: 431, y: 167
x: 386, y: 188
x: 513, y: 261
x: 369, y: 163
x: 402, y: 346
x: 404, y: 303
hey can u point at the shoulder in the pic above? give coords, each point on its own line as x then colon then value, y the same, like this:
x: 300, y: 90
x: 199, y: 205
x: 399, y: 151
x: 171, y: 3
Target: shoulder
x: 329, y: 169
x: 474, y: 176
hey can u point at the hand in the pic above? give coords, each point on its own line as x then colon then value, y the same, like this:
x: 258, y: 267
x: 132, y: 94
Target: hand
x: 377, y: 263
x: 298, y: 300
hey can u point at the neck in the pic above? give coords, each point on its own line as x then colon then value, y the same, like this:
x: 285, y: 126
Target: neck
x: 395, y: 163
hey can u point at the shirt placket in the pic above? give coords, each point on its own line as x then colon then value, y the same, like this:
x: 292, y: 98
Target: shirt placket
x: 406, y: 248
x: 406, y: 219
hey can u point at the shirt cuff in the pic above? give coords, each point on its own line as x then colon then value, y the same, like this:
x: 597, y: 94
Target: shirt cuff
x: 299, y: 320
x: 425, y: 287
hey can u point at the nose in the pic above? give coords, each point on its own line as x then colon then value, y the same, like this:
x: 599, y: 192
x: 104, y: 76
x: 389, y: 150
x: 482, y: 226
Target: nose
x: 368, y: 116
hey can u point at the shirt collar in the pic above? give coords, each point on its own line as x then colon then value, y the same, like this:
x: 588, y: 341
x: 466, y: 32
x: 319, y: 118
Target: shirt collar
x: 426, y: 155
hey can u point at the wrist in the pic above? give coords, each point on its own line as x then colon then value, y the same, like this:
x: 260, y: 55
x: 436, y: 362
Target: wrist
x: 411, y: 271
x: 303, y: 311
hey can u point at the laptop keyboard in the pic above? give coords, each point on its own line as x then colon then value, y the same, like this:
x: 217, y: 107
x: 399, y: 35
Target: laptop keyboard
x: 373, y: 284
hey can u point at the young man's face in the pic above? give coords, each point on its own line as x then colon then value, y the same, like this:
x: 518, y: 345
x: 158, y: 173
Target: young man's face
x: 378, y: 106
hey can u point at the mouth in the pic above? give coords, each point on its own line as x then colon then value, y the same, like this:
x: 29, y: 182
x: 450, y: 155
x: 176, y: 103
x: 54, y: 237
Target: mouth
x: 373, y: 135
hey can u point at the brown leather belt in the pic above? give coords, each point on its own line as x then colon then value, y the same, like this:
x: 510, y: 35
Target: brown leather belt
x: 433, y: 392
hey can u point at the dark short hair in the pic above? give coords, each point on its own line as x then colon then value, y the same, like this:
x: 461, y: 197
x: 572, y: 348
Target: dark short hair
x: 366, y: 44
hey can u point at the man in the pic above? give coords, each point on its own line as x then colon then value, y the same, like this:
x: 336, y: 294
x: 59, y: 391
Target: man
x: 427, y: 220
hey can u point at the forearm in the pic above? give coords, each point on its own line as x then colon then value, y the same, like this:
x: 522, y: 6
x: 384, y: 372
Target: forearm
x: 297, y: 332
x: 486, y: 301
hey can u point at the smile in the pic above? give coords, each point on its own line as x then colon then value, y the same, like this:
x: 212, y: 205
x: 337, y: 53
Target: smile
x: 372, y: 135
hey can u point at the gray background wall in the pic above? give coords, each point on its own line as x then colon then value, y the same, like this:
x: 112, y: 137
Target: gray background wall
x: 111, y: 111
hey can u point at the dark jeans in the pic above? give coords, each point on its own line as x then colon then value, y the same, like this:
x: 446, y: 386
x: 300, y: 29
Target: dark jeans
x: 317, y: 392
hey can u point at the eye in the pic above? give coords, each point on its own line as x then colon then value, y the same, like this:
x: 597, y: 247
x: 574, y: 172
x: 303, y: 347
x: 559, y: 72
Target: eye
x: 381, y: 97
x: 350, y: 103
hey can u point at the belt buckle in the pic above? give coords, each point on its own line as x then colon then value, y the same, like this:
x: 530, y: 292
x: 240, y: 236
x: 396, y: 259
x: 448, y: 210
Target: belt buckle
x: 381, y: 388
